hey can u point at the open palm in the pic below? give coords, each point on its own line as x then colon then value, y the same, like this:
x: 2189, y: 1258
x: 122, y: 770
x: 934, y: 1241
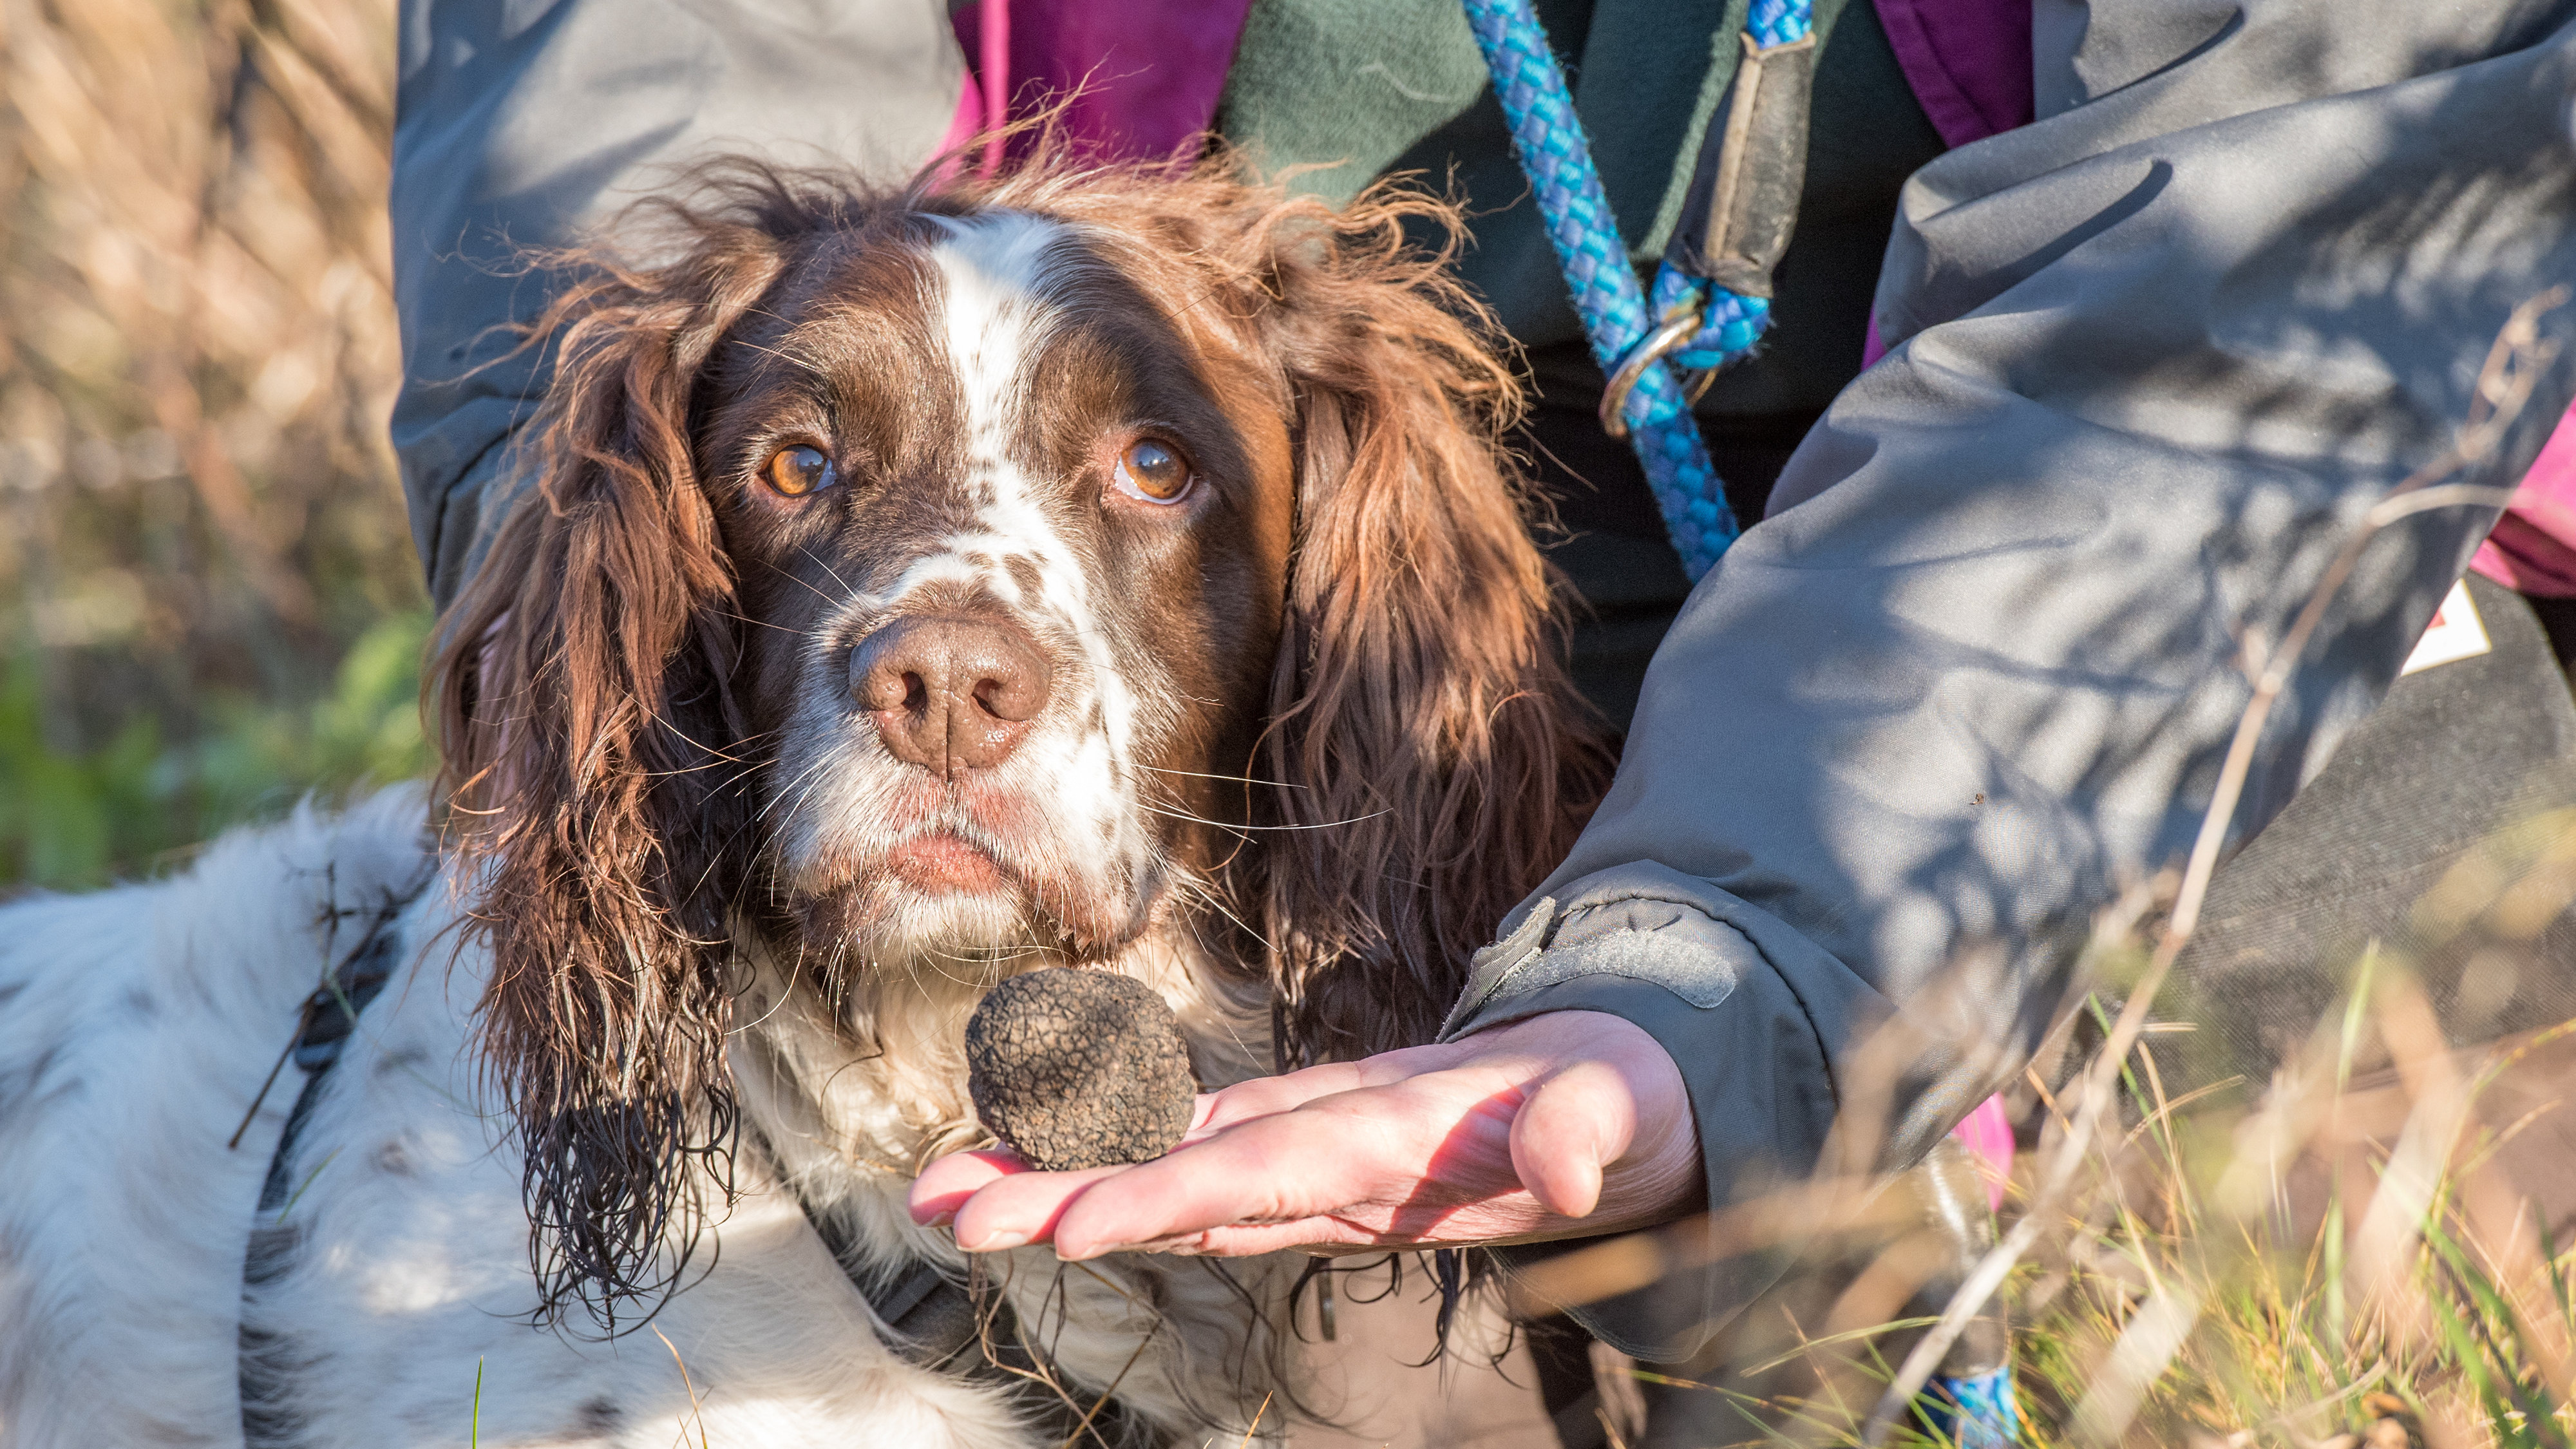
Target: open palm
x: 1564, y: 1123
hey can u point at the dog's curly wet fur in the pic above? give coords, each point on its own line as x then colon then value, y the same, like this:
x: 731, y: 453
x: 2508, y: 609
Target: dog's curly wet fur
x: 1375, y: 694
x: 755, y: 779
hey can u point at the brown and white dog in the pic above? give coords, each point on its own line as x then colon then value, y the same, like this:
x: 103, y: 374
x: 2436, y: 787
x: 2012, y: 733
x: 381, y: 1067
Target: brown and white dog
x: 1087, y: 567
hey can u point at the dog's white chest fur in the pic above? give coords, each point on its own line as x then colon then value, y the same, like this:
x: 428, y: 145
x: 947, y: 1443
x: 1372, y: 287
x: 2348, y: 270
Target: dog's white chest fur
x: 140, y: 1291
x: 139, y: 1025
x: 400, y: 1264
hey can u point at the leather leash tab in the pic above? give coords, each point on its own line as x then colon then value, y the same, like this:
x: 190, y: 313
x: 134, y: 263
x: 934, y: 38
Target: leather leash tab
x: 1742, y: 215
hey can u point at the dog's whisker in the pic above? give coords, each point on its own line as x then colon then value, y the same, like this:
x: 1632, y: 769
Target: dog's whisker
x: 811, y: 781
x: 716, y: 758
x: 829, y: 756
x: 804, y: 583
x: 827, y: 568
x: 1203, y: 775
x: 1207, y: 895
x: 1223, y: 825
x: 763, y: 623
x: 748, y: 770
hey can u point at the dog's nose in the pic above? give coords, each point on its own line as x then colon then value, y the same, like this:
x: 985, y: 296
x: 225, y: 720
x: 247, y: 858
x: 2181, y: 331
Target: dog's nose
x: 950, y: 694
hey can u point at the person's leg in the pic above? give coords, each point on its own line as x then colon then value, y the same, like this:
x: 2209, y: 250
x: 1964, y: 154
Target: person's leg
x: 2455, y: 754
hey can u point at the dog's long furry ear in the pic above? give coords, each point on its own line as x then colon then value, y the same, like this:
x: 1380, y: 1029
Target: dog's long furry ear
x: 585, y: 718
x: 1426, y: 742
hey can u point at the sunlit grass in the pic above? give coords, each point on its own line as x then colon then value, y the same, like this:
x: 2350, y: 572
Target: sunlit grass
x: 2277, y: 1267
x: 75, y: 818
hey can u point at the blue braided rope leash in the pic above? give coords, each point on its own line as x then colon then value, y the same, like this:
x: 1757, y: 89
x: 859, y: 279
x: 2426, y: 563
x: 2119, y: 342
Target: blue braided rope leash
x: 1977, y: 1412
x: 1617, y: 315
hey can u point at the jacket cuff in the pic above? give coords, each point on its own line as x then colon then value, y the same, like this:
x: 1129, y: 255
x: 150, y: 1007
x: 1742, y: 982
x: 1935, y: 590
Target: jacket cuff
x: 1747, y: 1009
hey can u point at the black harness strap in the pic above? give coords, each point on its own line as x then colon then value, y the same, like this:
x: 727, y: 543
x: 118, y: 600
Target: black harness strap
x: 322, y: 1029
x: 936, y: 1320
x: 329, y: 1015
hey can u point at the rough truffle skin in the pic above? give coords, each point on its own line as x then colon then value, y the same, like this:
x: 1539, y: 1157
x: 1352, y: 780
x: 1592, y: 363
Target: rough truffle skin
x: 1076, y: 1068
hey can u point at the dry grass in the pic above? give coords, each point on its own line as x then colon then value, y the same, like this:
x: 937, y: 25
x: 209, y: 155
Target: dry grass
x: 2339, y: 1253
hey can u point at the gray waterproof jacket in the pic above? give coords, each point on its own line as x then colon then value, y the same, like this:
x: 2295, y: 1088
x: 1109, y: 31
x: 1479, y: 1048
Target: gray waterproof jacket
x: 2154, y: 357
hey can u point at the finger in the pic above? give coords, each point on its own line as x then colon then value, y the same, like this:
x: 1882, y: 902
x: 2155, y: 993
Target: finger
x: 945, y: 1185
x: 1012, y: 1206
x: 1283, y: 1167
x: 1326, y: 1235
x: 1021, y: 1208
x: 1511, y: 1219
x: 1260, y: 1097
x: 1264, y: 1096
x: 1570, y: 1129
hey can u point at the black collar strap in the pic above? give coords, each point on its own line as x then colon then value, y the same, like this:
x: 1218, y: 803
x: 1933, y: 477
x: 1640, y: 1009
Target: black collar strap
x: 968, y: 1329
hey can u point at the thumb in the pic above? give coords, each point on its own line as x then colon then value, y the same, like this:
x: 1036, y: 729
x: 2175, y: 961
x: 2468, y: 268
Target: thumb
x: 1573, y: 1126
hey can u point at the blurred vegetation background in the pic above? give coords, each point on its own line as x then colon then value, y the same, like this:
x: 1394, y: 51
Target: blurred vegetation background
x: 209, y: 602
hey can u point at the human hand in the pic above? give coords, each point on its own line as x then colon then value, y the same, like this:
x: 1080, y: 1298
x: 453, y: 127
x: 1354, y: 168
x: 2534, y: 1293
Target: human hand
x: 1566, y: 1122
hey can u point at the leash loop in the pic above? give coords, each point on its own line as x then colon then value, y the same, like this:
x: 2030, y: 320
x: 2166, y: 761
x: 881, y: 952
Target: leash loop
x: 1661, y: 343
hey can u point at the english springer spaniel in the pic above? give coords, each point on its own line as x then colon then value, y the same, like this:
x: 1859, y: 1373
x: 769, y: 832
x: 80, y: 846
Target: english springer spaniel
x: 1087, y: 567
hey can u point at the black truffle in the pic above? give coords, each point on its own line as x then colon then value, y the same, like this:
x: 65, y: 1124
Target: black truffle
x: 1076, y: 1068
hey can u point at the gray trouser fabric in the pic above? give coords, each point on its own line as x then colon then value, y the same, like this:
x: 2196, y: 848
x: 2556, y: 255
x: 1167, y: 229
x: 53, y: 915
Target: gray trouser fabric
x: 2455, y: 754
x: 523, y: 126
x: 2157, y: 355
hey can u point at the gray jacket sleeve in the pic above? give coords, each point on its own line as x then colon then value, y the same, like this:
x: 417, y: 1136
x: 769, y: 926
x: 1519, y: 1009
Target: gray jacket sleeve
x: 525, y: 125
x: 2155, y: 356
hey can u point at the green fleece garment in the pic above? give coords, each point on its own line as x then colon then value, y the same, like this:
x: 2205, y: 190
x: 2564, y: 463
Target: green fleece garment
x: 1359, y: 88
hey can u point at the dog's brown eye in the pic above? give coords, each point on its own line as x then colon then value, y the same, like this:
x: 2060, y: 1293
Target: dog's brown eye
x: 799, y: 471
x: 1153, y: 469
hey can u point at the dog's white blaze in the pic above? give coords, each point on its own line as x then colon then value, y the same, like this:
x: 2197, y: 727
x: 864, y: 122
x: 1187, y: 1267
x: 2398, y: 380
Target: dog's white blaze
x: 1011, y: 519
x: 947, y: 566
x: 995, y: 316
x: 991, y: 315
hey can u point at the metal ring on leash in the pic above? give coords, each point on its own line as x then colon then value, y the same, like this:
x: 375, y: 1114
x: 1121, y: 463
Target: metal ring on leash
x: 1696, y: 387
x: 1664, y: 339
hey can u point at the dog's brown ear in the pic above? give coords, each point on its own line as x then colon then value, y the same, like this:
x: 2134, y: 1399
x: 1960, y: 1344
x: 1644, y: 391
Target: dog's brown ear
x: 585, y: 721
x: 1425, y: 740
